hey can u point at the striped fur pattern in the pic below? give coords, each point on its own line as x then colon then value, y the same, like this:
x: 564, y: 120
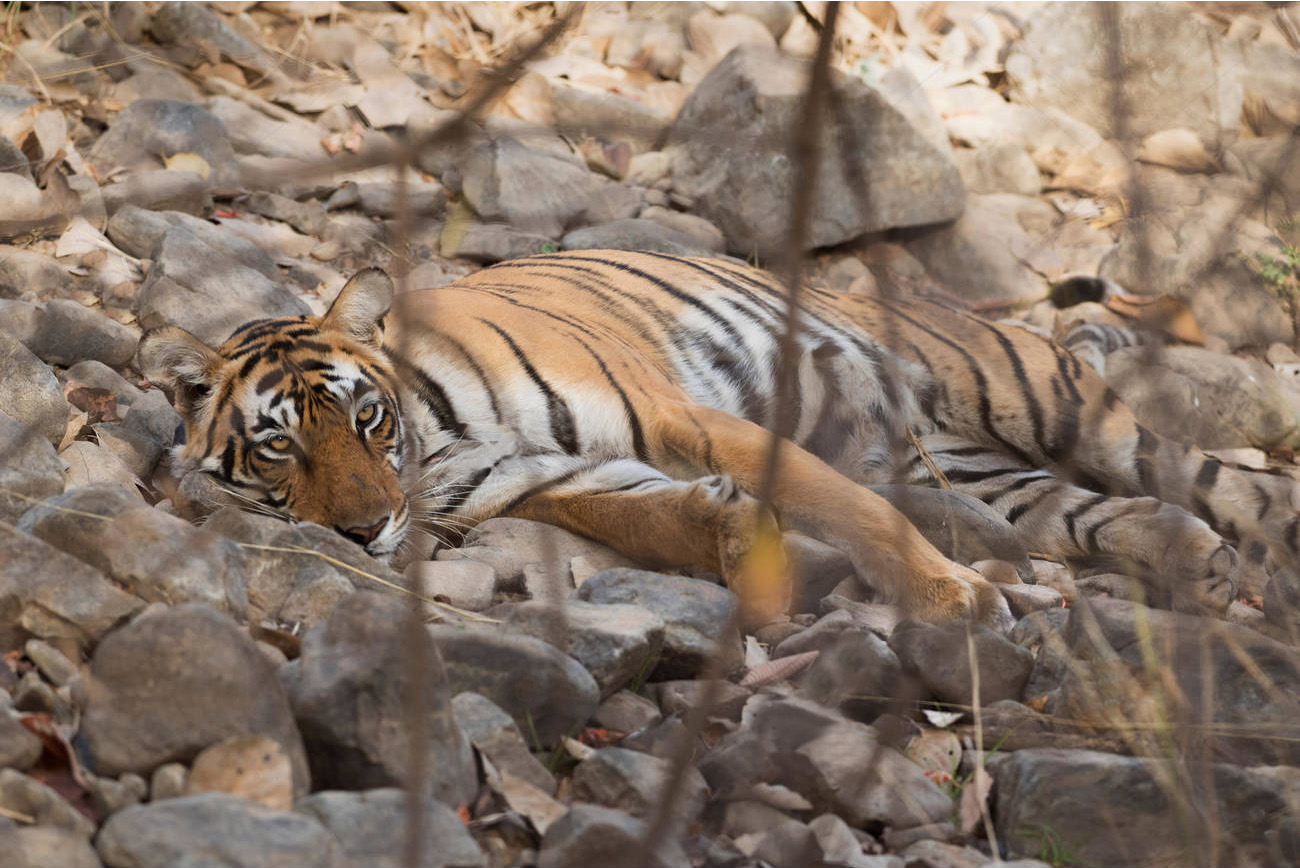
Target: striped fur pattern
x: 627, y: 396
x: 1092, y: 342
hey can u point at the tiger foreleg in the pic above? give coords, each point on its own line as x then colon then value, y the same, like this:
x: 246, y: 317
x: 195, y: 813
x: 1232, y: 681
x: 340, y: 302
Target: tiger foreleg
x: 710, y: 522
x: 883, y: 545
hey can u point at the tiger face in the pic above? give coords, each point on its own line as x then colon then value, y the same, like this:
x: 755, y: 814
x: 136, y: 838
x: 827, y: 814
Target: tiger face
x: 300, y: 416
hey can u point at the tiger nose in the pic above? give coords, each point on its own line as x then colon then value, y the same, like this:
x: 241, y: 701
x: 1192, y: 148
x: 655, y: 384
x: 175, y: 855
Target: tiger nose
x: 363, y: 535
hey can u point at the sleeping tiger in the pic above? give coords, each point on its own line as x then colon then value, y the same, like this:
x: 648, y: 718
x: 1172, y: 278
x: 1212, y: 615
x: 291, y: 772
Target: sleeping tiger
x: 628, y: 397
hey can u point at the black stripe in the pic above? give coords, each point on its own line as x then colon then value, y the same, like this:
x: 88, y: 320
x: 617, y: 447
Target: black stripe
x: 1018, y: 369
x: 633, y: 421
x: 563, y: 428
x: 1015, y: 485
x: 981, y: 382
x: 1079, y: 511
x: 1209, y: 472
x: 466, y: 489
x: 430, y: 393
x: 1025, y: 506
x: 539, y: 488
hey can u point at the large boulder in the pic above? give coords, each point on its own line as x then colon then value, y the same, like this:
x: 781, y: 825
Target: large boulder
x: 1177, y: 69
x: 352, y: 695
x: 170, y: 684
x: 879, y: 171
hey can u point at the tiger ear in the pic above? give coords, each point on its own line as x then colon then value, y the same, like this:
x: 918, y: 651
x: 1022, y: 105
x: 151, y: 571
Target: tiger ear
x: 175, y: 359
x: 361, y: 306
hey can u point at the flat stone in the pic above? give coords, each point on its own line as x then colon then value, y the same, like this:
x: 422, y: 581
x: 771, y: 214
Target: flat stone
x: 31, y: 468
x: 856, y: 673
x: 69, y: 332
x: 769, y: 834
x: 495, y: 242
x: 252, y: 132
x: 941, y: 659
x: 26, y: 795
x: 465, y: 583
x: 757, y: 95
x: 595, y: 835
x: 495, y: 735
x: 817, y: 568
x: 633, y: 782
x: 168, y: 685
x: 510, y: 544
x: 549, y: 694
x: 635, y: 234
x: 626, y: 712
x: 46, y: 847
x: 1073, y: 793
x: 365, y: 824
x: 214, y: 829
x: 696, y: 615
x: 29, y: 391
x: 150, y: 130
x: 612, y: 642
x: 19, y: 748
x: 50, y: 595
x: 355, y: 680
x: 160, y: 190
x: 1024, y: 599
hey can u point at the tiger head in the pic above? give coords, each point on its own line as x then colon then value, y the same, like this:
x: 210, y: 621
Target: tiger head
x: 298, y: 415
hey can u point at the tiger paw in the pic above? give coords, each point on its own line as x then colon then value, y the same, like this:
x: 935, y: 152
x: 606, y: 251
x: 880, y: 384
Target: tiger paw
x: 953, y: 591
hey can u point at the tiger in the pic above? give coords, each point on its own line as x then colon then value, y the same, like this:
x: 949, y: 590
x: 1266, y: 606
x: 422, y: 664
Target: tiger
x: 630, y: 397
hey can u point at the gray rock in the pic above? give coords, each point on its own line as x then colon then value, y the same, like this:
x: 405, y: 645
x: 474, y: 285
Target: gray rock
x: 981, y: 255
x: 51, y: 595
x: 941, y: 659
x: 179, y: 23
x: 148, y: 130
x: 633, y: 782
x: 167, y: 782
x: 626, y: 712
x: 56, y: 668
x: 46, y: 847
x: 838, y: 765
x: 879, y: 618
x: 533, y: 190
x: 26, y: 795
x: 214, y: 829
x: 31, y: 468
x: 510, y: 544
x: 1057, y: 799
x: 697, y: 616
x: 27, y: 271
x: 159, y: 556
x: 817, y: 568
x: 383, y: 199
x: 1000, y: 167
x: 307, y: 217
x: 756, y: 95
x: 12, y: 159
x: 612, y: 642
x: 548, y: 694
x: 856, y: 673
x: 68, y: 332
x: 838, y: 843
x: 369, y: 828
x: 1217, y: 705
x: 297, y: 586
x: 137, y: 453
x: 605, y: 115
x: 1216, y: 401
x: 963, y: 527
x: 938, y: 854
x: 19, y: 749
x: 776, y: 837
x: 635, y: 234
x: 822, y: 634
x: 152, y: 417
x: 594, y: 835
x: 610, y: 201
x: 495, y: 735
x: 703, y: 234
x: 252, y: 132
x: 352, y: 698
x: 1185, y: 78
x: 465, y: 583
x: 98, y: 375
x: 140, y: 233
x: 160, y: 190
x: 195, y: 286
x: 170, y: 684
x: 678, y: 698
x: 29, y: 391
x: 496, y: 242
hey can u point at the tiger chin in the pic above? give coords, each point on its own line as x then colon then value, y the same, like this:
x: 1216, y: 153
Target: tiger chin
x: 629, y: 397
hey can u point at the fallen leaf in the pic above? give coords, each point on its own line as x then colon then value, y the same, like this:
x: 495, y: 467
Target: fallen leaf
x: 941, y: 719
x: 524, y: 798
x: 936, y: 750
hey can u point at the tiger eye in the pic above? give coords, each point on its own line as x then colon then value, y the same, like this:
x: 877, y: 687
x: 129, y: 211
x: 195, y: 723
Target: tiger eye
x: 366, y: 413
x: 279, y: 444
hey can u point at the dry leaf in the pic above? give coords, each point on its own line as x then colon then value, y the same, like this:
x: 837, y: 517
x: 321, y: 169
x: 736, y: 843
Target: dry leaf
x: 1179, y: 149
x: 778, y: 670
x: 1162, y: 313
x: 524, y: 798
x: 941, y: 719
x: 187, y: 162
x: 88, y: 463
x: 974, y: 799
x: 252, y: 766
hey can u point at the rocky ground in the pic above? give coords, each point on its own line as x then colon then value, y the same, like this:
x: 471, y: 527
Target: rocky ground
x: 245, y: 692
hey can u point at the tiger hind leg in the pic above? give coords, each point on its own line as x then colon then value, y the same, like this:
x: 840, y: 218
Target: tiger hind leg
x: 1187, y: 560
